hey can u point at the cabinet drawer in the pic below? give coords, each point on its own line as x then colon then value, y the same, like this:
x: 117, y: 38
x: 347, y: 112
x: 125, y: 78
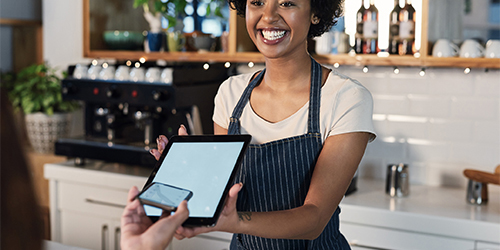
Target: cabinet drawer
x: 102, y: 201
x: 385, y: 238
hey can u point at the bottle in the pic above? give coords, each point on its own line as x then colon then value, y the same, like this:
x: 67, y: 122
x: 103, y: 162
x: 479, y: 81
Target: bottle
x: 394, y: 29
x: 358, y: 46
x: 370, y: 29
x: 407, y: 18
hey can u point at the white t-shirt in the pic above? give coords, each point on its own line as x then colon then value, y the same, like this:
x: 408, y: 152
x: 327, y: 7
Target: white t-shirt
x: 346, y: 106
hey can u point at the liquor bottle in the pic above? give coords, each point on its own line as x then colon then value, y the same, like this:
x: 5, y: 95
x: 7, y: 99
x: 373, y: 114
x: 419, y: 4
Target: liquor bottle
x: 370, y: 29
x: 358, y: 46
x: 394, y: 29
x: 407, y: 18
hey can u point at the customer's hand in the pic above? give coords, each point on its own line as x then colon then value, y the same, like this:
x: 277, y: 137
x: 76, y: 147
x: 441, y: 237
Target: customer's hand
x: 162, y: 141
x: 137, y: 230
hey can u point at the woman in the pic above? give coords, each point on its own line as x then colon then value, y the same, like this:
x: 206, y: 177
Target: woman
x: 309, y: 125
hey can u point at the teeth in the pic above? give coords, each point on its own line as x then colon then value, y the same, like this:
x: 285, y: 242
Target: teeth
x: 273, y: 34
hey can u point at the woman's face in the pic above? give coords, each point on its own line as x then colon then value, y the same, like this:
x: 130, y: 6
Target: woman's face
x: 278, y: 27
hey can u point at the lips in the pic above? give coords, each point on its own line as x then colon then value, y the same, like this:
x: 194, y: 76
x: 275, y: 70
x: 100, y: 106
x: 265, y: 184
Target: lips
x: 273, y: 36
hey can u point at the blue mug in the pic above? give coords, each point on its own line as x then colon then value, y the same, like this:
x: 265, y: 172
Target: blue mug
x: 155, y: 41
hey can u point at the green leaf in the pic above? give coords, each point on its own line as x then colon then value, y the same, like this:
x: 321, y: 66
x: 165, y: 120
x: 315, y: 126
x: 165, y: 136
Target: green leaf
x: 208, y: 10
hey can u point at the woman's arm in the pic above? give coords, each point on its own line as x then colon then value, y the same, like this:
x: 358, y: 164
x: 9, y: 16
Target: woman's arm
x: 333, y: 173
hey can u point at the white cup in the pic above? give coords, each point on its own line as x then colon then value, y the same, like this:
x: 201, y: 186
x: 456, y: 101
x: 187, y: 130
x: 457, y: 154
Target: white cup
x: 444, y: 48
x: 93, y: 72
x: 167, y: 76
x: 153, y: 74
x: 137, y: 74
x: 326, y: 42
x: 471, y: 49
x: 122, y: 73
x: 492, y: 49
x: 80, y: 71
x: 107, y: 73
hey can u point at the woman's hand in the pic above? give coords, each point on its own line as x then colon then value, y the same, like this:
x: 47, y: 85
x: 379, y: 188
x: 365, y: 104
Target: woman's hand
x: 162, y: 141
x: 228, y: 220
x: 137, y: 230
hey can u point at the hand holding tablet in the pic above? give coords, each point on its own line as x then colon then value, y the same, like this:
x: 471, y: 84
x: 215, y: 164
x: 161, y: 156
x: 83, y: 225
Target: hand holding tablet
x: 204, y: 165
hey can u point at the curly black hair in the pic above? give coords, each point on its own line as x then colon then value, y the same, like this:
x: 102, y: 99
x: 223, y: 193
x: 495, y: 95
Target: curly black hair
x: 328, y: 11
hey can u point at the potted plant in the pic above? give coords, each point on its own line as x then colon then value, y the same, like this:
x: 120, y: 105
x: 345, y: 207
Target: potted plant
x: 36, y: 91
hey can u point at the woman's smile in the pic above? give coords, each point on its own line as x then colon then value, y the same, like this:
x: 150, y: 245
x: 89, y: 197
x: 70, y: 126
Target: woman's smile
x: 273, y: 36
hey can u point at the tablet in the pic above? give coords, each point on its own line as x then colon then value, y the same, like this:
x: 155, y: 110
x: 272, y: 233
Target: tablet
x: 203, y: 164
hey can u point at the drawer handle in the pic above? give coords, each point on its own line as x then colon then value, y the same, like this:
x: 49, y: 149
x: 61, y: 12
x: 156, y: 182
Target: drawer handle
x: 117, y: 238
x: 104, y: 203
x: 104, y: 237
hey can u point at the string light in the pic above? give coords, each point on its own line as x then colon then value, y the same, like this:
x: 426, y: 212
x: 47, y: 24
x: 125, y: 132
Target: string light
x: 137, y: 65
x: 336, y: 65
x: 128, y: 63
x: 105, y: 65
x: 142, y: 60
x: 251, y: 64
x: 422, y: 72
x: 467, y: 71
x: 396, y: 70
x: 206, y: 66
x: 227, y: 65
x: 365, y: 69
x: 94, y: 62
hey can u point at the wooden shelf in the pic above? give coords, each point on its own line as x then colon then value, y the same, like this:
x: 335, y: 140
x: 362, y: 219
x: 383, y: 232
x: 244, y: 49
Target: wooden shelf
x: 493, y: 63
x: 239, y: 39
x: 20, y: 22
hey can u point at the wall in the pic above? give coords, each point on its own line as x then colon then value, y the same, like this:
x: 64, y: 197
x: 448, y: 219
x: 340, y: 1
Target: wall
x: 439, y: 124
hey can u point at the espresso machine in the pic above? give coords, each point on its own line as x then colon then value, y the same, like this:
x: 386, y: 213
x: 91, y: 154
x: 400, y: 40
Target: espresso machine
x: 122, y: 119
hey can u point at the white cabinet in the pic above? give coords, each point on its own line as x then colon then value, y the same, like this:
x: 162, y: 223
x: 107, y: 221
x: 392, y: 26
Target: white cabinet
x: 89, y: 231
x: 480, y: 245
x: 429, y: 218
x: 383, y: 238
x: 86, y: 205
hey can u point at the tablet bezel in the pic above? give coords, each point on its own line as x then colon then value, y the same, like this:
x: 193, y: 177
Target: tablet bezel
x: 205, y: 221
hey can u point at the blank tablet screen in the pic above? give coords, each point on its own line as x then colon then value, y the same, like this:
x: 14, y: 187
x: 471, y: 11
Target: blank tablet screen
x: 202, y: 167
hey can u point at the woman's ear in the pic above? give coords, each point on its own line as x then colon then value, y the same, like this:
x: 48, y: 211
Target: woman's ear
x: 314, y: 19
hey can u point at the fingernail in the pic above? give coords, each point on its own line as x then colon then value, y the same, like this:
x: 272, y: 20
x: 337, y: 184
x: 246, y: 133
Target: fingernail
x: 151, y: 152
x: 182, y: 126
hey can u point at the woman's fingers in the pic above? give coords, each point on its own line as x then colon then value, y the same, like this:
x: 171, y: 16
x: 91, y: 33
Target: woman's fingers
x: 182, y: 130
x: 162, y: 141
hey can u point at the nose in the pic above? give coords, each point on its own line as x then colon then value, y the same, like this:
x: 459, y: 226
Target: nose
x: 270, y: 14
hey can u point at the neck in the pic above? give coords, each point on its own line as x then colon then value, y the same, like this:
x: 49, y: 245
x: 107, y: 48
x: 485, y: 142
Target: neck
x: 288, y: 72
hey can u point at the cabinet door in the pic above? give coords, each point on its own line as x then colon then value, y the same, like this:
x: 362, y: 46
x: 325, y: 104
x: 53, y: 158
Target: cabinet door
x: 88, y: 231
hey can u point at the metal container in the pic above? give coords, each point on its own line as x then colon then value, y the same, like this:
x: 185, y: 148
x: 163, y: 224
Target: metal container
x: 397, y: 182
x: 477, y: 192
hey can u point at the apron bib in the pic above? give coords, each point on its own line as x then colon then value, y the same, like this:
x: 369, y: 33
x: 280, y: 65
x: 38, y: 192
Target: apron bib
x: 276, y: 175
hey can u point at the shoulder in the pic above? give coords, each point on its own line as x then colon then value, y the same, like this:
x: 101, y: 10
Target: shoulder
x: 340, y: 86
x: 235, y: 84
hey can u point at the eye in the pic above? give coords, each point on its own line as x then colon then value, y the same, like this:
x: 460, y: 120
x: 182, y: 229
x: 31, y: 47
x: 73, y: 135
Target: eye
x: 287, y: 4
x: 256, y: 3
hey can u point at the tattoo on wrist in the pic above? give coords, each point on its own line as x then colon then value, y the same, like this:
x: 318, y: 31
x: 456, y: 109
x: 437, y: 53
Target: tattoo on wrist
x: 245, y: 216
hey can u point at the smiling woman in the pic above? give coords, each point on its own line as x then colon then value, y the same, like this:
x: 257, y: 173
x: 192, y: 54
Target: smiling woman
x: 309, y: 124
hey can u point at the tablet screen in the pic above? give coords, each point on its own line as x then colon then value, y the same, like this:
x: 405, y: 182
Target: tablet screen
x: 202, y: 167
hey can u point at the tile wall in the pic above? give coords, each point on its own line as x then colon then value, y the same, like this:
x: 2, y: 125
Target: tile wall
x: 439, y: 124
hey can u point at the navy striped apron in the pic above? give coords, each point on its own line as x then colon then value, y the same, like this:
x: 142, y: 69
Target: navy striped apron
x: 276, y: 175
